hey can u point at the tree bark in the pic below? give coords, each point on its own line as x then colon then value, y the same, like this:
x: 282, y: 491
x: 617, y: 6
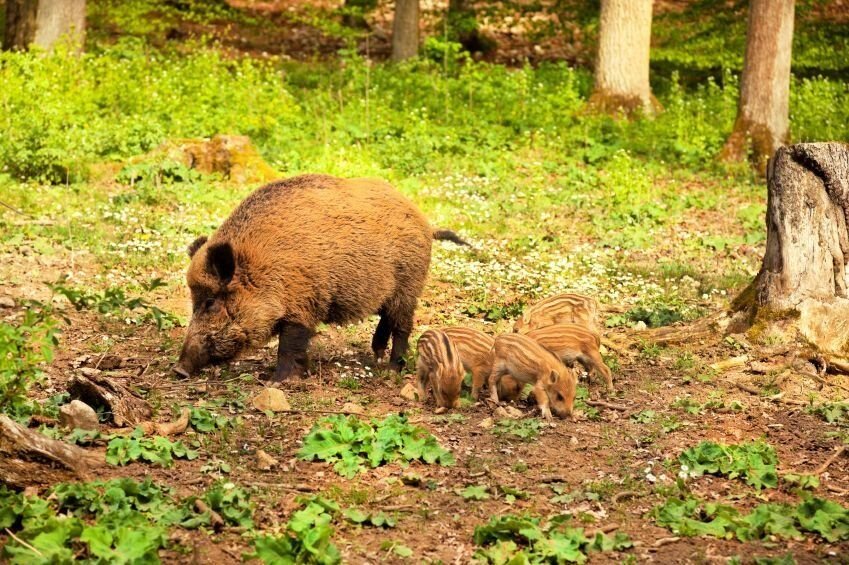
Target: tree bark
x: 763, y: 123
x: 802, y: 285
x: 43, y: 23
x: 622, y: 67
x: 405, y: 30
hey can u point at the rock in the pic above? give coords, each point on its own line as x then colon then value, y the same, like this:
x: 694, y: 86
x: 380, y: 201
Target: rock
x: 353, y: 408
x: 640, y: 326
x: 573, y: 441
x: 110, y: 363
x: 272, y: 399
x: 78, y: 414
x: 89, y: 371
x: 409, y: 392
x: 264, y: 461
x: 486, y: 423
x: 7, y: 302
x: 507, y: 413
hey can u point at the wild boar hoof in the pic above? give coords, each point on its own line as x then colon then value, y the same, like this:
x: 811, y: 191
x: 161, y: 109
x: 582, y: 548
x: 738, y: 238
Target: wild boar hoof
x: 287, y: 370
x: 397, y: 365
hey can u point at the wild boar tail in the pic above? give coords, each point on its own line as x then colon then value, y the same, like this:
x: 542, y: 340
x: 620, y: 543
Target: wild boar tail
x: 448, y: 235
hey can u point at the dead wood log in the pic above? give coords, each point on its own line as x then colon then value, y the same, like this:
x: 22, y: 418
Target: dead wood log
x: 703, y: 328
x: 802, y: 288
x: 24, y: 452
x: 121, y: 403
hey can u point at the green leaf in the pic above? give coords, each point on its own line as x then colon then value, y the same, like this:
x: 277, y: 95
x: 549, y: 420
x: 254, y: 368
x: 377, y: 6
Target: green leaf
x: 474, y: 492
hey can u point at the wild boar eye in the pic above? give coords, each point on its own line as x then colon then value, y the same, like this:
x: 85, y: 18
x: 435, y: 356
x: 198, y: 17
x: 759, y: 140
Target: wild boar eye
x: 560, y: 397
x: 210, y: 302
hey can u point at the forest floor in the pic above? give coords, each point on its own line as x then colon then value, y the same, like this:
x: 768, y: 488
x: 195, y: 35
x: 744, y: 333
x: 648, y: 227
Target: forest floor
x: 657, y: 242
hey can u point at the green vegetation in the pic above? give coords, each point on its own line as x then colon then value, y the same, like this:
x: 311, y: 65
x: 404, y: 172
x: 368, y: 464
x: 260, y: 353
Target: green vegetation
x: 157, y: 450
x: 206, y: 421
x: 307, y: 536
x: 24, y: 346
x: 692, y: 517
x: 525, y: 539
x: 117, y: 521
x: 114, y: 302
x: 832, y: 412
x: 352, y: 444
x: 526, y: 429
x: 753, y: 462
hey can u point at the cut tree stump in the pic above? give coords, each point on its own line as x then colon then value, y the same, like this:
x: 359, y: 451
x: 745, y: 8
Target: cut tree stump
x: 121, y: 403
x: 29, y: 458
x: 801, y: 289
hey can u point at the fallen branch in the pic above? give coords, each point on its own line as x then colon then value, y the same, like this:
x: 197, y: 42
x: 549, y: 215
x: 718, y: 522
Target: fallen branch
x: 176, y: 427
x: 624, y: 495
x: 604, y: 530
x: 603, y: 404
x: 834, y: 457
x: 21, y: 448
x: 23, y: 543
x: 730, y: 363
x: 215, y: 519
x: 665, y: 541
x: 820, y: 380
x: 776, y: 398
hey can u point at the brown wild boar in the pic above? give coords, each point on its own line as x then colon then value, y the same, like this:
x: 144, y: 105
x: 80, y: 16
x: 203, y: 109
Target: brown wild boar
x: 569, y: 308
x: 530, y: 363
x: 573, y: 342
x: 301, y: 251
x: 438, y: 366
x: 475, y: 349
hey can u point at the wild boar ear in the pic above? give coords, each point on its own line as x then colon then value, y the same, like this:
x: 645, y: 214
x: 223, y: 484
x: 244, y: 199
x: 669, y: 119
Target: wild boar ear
x: 221, y: 261
x: 553, y: 377
x: 195, y: 245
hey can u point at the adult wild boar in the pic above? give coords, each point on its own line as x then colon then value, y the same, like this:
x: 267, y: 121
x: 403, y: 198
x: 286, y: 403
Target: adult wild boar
x: 301, y: 251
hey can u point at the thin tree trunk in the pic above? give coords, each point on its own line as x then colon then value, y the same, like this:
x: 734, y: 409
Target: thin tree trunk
x: 405, y: 30
x: 762, y: 124
x: 43, y: 23
x: 622, y: 68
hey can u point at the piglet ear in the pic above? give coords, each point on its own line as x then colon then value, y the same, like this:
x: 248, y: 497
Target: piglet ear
x: 196, y: 244
x: 553, y: 377
x: 221, y: 261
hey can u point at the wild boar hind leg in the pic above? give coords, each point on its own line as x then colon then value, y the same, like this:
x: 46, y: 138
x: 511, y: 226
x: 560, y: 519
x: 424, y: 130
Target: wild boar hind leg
x: 401, y: 322
x: 292, y: 351
x: 380, y: 340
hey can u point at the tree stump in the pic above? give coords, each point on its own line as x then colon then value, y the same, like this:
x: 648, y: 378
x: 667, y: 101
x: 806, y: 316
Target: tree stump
x: 802, y: 285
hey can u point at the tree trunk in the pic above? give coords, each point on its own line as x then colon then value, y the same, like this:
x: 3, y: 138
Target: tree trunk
x: 762, y: 124
x: 405, y: 30
x: 43, y: 23
x: 622, y: 68
x: 802, y: 285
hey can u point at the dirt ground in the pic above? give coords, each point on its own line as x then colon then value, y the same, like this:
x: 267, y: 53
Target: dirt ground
x: 613, y: 456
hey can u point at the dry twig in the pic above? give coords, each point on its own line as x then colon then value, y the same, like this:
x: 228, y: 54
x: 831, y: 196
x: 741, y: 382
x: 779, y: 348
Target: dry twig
x: 834, y: 456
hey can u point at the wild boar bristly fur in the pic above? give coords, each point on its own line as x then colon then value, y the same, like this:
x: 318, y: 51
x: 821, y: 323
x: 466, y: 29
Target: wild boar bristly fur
x: 302, y: 251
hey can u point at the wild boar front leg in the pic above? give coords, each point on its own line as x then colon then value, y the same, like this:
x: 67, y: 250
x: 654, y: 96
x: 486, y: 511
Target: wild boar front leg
x: 542, y: 400
x: 292, y: 351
